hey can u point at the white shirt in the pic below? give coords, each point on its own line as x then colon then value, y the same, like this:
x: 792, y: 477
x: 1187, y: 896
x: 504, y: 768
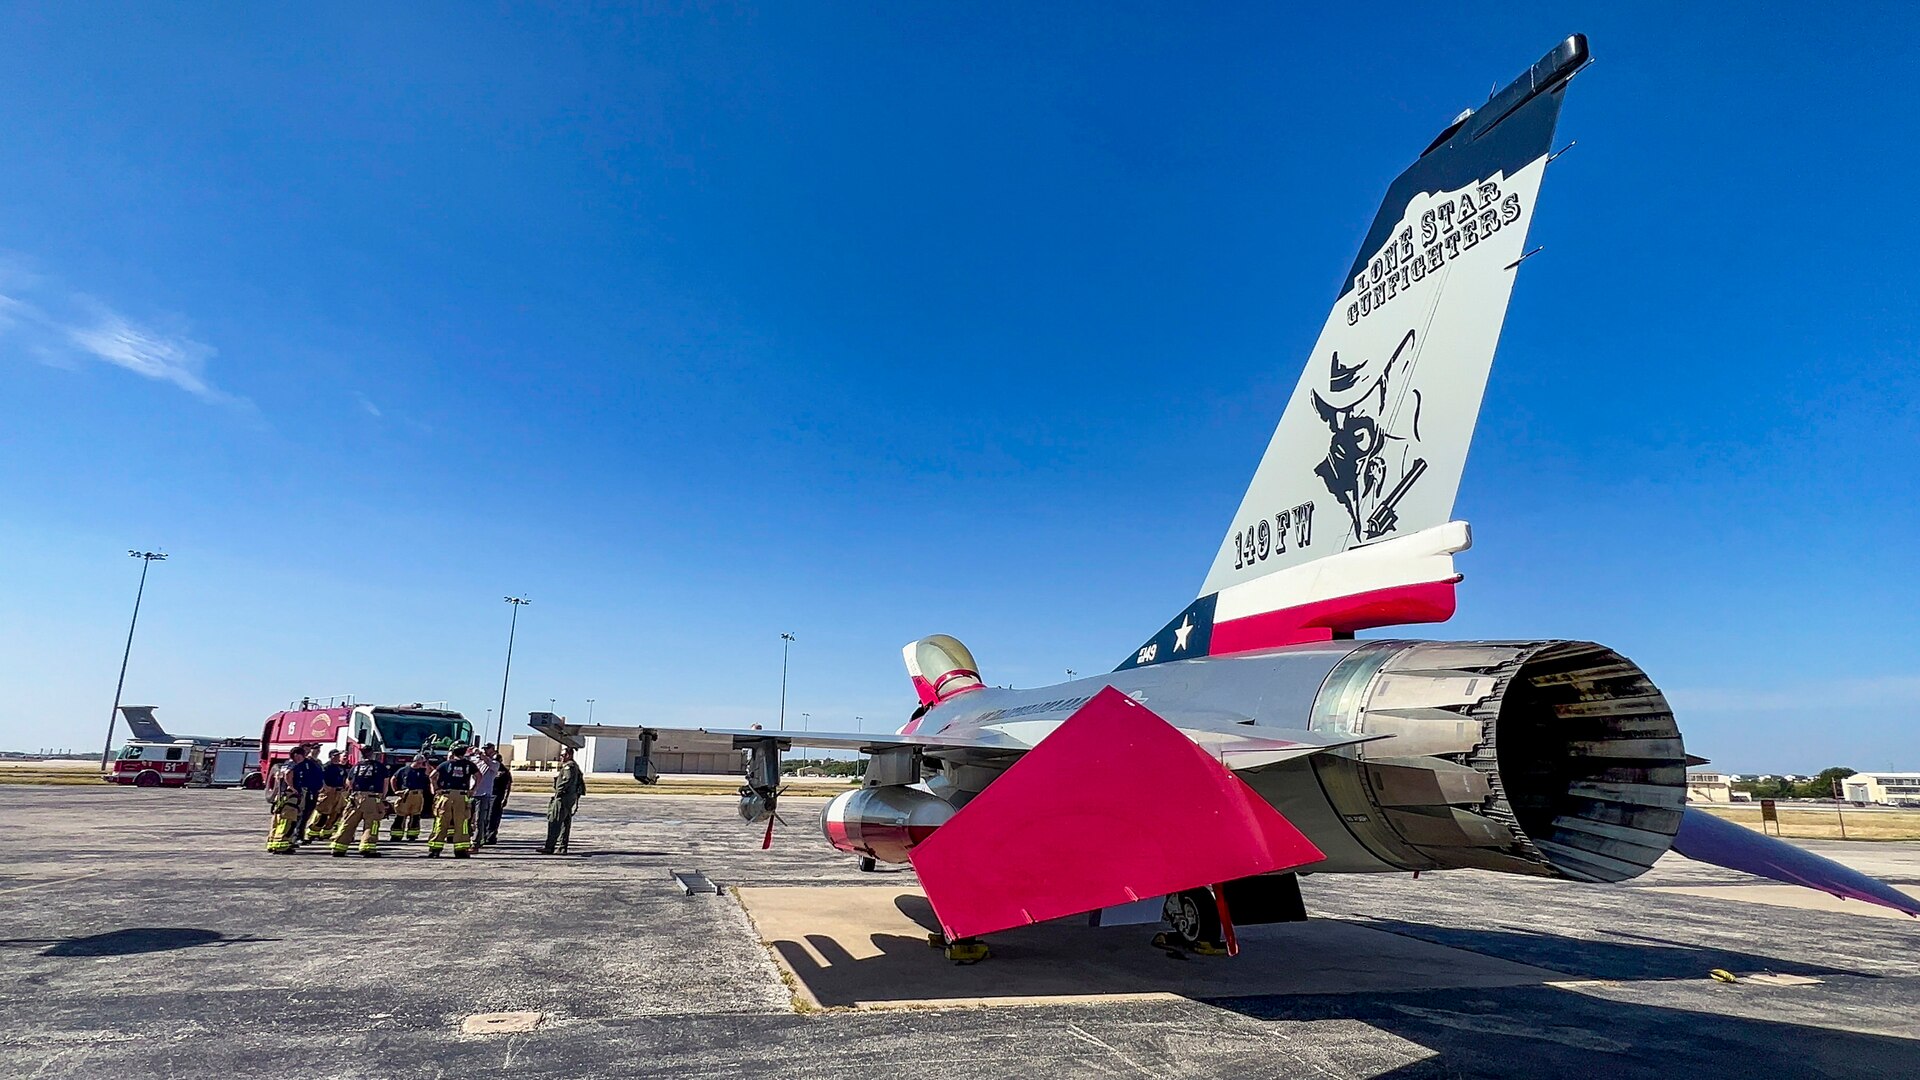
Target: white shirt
x: 483, y: 775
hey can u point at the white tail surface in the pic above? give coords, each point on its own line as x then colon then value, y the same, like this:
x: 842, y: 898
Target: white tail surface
x: 1374, y: 439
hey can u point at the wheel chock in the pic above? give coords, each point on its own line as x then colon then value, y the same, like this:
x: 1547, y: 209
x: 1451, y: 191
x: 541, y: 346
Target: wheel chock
x: 967, y: 951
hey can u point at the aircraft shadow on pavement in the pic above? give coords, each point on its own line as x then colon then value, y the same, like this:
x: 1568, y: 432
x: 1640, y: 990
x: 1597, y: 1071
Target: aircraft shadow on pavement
x: 1542, y: 1031
x: 878, y: 960
x: 1657, y: 958
x: 132, y: 940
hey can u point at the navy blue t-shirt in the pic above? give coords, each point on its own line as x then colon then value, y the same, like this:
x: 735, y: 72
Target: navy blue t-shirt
x: 369, y: 776
x: 306, y: 774
x: 334, y: 775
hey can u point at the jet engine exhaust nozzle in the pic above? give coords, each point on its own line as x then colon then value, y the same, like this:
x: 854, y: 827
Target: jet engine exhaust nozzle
x: 1553, y: 758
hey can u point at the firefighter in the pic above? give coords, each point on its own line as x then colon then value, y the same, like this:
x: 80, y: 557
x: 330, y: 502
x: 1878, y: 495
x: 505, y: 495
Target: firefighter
x: 308, y: 779
x: 409, y: 785
x: 332, y: 800
x: 450, y: 783
x: 367, y: 788
x: 283, y: 795
x: 568, y: 786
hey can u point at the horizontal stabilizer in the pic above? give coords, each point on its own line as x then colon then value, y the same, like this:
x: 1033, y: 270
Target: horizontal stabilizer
x: 1051, y: 837
x: 1706, y: 838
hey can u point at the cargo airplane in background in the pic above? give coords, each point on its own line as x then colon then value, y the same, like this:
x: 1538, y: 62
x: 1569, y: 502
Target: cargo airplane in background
x: 1280, y: 744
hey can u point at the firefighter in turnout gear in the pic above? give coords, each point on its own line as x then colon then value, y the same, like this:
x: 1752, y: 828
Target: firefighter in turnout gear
x: 409, y: 787
x: 283, y: 795
x: 450, y: 783
x: 305, y: 772
x: 333, y: 798
x: 366, y: 792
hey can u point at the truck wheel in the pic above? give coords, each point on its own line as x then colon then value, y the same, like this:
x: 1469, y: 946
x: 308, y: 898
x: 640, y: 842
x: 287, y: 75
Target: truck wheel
x: 253, y: 782
x: 147, y: 779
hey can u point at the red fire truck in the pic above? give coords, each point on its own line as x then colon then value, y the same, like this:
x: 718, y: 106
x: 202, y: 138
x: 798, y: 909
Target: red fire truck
x: 392, y: 733
x: 153, y: 758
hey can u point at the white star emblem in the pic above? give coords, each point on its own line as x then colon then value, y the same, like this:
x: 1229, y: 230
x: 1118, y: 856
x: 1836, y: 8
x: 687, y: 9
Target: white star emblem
x: 1181, y: 632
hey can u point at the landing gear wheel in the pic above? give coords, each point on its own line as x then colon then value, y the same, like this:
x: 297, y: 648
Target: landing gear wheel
x: 1195, y: 919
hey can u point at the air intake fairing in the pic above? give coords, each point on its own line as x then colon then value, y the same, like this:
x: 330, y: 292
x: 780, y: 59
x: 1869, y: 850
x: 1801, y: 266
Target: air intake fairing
x: 1557, y: 758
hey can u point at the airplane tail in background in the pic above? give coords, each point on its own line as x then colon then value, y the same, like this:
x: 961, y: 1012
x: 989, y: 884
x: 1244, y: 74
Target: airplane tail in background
x: 143, y: 725
x: 1347, y: 524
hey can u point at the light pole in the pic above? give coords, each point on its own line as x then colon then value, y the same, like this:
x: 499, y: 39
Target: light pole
x: 806, y: 724
x: 786, y: 642
x: 512, y: 626
x: 589, y: 710
x: 859, y: 723
x: 146, y: 560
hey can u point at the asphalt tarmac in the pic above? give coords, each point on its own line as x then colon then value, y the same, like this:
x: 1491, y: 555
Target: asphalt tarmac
x: 147, y: 933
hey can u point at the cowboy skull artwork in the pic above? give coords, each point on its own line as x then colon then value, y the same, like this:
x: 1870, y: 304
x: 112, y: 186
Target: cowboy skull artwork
x: 1372, y: 461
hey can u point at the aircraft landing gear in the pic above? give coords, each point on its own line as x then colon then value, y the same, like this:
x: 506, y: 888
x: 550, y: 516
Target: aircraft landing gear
x: 961, y: 951
x: 1195, y: 919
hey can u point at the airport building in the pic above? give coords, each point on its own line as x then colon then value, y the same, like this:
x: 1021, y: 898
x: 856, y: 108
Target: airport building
x: 1709, y: 787
x: 1883, y: 788
x: 673, y: 753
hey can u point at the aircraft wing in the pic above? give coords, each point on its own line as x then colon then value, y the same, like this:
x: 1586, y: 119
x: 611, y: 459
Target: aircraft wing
x: 869, y: 742
x: 1238, y: 746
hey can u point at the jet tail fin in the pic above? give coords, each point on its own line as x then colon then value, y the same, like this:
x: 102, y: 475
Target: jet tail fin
x: 1347, y: 522
x: 143, y: 725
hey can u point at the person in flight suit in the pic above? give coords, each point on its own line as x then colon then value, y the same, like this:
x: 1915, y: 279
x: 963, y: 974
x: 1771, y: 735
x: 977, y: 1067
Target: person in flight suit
x: 332, y: 800
x: 568, y: 786
x: 283, y: 795
x: 366, y: 793
x: 450, y: 783
x: 409, y: 785
x: 308, y: 779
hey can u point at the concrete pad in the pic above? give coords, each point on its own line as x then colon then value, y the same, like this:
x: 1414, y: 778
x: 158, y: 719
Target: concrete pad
x: 866, y: 947
x: 1793, y: 896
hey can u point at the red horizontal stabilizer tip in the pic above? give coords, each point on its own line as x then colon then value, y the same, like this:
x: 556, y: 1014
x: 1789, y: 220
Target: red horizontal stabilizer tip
x: 1061, y: 832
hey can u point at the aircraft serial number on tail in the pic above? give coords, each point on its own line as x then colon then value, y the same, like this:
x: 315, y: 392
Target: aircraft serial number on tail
x: 1268, y: 537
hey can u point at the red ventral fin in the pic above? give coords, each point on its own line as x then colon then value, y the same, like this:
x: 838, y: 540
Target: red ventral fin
x: 1052, y: 837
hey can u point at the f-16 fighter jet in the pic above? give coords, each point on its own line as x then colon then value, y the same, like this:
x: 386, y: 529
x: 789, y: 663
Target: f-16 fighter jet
x: 1279, y: 743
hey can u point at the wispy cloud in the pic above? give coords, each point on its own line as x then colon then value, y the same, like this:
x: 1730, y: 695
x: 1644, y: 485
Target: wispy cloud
x: 367, y: 406
x: 65, y: 329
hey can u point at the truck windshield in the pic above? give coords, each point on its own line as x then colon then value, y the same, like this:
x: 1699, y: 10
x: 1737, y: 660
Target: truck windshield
x: 400, y: 732
x: 129, y: 753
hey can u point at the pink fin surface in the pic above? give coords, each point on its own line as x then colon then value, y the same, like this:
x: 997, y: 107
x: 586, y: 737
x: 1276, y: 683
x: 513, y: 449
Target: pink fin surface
x: 1064, y: 831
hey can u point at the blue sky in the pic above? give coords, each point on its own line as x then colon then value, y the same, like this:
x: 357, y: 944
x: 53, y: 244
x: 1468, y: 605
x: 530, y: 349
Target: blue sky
x: 868, y: 322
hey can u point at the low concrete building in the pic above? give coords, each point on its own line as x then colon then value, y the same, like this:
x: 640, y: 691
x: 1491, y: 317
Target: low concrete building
x: 1709, y: 787
x: 1883, y: 788
x: 672, y: 753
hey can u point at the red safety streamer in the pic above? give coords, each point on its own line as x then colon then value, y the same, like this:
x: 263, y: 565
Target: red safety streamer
x: 1226, y: 920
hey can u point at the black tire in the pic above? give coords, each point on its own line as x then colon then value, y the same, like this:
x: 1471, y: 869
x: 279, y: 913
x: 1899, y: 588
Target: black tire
x: 867, y: 864
x: 253, y: 782
x: 147, y: 779
x: 1194, y: 917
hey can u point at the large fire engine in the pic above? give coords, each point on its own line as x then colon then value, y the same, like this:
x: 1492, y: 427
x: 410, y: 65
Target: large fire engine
x: 391, y: 733
x: 153, y: 758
